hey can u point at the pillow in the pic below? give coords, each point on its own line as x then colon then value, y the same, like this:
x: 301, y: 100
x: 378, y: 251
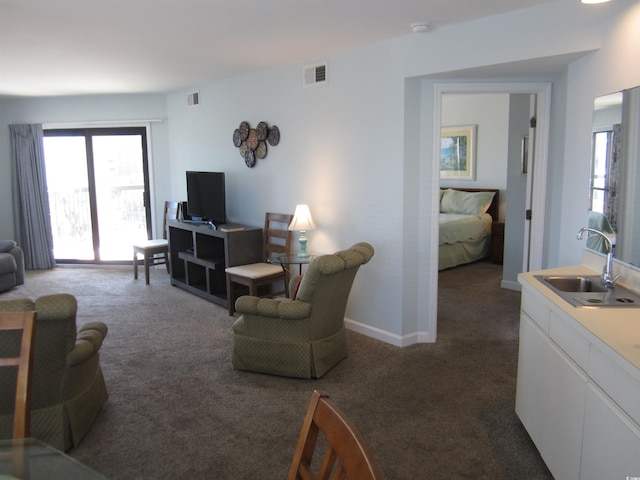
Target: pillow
x: 442, y: 190
x: 295, y: 290
x: 471, y: 203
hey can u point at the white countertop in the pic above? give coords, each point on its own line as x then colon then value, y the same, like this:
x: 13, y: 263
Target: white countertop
x: 617, y: 327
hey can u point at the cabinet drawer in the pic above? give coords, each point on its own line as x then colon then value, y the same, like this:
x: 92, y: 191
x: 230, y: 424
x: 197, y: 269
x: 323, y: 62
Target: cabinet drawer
x: 564, y: 332
x: 536, y: 308
x: 621, y: 387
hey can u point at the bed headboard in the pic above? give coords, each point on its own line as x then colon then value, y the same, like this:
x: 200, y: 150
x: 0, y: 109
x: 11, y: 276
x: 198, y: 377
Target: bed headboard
x: 495, y: 204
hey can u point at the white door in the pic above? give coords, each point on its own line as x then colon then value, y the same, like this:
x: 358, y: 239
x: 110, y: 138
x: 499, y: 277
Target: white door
x: 529, y: 155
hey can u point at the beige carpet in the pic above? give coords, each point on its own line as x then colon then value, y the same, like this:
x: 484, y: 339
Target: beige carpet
x: 178, y: 410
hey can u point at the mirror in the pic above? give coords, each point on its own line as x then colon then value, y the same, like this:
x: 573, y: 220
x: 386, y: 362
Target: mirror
x: 614, y: 197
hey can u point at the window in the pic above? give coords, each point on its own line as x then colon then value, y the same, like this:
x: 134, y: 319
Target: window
x: 600, y: 170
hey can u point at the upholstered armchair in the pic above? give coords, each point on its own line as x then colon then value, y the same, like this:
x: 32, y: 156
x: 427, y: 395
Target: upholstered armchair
x: 303, y: 335
x: 599, y: 221
x: 11, y: 265
x: 68, y: 389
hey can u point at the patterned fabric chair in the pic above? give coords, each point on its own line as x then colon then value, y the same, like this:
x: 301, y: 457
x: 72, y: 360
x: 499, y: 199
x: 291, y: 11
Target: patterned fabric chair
x: 600, y: 222
x: 304, y: 335
x: 11, y: 265
x: 68, y: 388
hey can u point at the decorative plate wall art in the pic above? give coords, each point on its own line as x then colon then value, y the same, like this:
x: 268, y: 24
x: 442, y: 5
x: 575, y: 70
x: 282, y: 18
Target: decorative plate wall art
x: 252, y: 142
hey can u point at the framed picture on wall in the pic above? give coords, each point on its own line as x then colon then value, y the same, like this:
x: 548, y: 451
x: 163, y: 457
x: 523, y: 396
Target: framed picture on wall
x: 457, y: 152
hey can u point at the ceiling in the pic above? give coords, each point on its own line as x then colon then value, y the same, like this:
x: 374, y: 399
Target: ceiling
x: 75, y: 47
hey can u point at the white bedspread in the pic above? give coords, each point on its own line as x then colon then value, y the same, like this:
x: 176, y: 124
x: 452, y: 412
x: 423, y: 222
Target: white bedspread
x: 455, y: 227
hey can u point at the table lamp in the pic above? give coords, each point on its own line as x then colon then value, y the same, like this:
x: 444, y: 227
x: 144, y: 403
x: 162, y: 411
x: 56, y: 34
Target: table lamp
x: 302, y: 222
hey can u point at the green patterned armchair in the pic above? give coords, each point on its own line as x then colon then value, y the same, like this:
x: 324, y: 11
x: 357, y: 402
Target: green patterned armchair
x: 304, y: 335
x: 11, y: 265
x: 68, y: 388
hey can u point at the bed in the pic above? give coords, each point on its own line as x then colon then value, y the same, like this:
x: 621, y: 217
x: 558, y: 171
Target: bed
x: 466, y: 217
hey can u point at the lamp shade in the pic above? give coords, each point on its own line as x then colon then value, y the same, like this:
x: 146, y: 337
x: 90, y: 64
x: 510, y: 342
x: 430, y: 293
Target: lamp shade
x: 302, y: 220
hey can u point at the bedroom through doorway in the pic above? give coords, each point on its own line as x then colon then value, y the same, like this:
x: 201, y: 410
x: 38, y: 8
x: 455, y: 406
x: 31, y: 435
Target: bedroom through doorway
x: 484, y: 145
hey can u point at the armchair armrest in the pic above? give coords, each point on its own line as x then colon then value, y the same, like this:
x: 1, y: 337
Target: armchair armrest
x: 88, y: 341
x: 6, y: 246
x: 273, y: 307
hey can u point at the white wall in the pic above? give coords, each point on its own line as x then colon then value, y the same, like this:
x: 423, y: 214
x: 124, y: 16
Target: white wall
x: 340, y: 151
x: 606, y: 118
x: 358, y: 150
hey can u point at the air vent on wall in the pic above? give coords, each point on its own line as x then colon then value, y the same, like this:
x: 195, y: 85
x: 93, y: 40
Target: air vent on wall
x: 314, y: 75
x: 193, y: 99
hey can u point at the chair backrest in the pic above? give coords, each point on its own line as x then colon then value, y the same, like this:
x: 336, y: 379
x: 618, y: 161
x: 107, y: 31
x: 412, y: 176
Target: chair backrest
x: 599, y: 221
x: 347, y: 456
x: 56, y: 336
x: 26, y: 323
x: 276, y: 235
x: 171, y: 212
x: 327, y: 284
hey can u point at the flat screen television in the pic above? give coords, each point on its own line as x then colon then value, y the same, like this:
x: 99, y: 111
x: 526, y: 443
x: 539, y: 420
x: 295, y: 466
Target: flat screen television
x: 206, y: 197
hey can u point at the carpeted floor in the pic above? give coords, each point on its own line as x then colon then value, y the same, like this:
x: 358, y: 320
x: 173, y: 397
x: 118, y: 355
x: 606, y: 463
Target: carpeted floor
x: 178, y: 410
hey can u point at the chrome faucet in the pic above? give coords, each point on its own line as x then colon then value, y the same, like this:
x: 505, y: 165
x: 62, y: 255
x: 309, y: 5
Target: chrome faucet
x: 607, y: 275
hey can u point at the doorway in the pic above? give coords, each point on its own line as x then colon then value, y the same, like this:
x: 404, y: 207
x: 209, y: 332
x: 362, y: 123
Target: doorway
x: 428, y: 308
x: 538, y: 150
x: 501, y: 161
x: 98, y: 188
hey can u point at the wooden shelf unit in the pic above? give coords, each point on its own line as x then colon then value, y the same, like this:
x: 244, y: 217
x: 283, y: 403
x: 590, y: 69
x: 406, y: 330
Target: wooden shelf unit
x: 199, y: 256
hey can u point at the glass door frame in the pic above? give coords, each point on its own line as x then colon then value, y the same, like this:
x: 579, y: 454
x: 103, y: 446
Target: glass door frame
x: 88, y: 133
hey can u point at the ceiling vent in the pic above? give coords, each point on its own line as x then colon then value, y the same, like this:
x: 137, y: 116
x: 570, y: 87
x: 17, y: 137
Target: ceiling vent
x: 193, y: 99
x: 314, y: 75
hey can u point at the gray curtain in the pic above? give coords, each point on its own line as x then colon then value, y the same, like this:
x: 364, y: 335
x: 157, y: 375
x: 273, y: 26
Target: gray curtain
x: 31, y: 215
x: 614, y: 177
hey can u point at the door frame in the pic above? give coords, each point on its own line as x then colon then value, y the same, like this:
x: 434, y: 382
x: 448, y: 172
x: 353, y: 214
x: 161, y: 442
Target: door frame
x: 539, y: 186
x: 146, y: 124
x: 90, y: 129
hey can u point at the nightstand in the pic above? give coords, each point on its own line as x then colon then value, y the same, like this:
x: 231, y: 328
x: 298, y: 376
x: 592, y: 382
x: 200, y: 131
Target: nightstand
x: 497, y: 242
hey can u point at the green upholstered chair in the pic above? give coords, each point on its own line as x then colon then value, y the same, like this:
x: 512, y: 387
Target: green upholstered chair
x: 11, y: 265
x: 600, y: 222
x: 68, y: 389
x: 303, y: 335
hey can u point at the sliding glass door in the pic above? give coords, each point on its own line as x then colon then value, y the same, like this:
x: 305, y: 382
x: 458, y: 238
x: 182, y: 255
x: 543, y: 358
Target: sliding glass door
x: 98, y: 193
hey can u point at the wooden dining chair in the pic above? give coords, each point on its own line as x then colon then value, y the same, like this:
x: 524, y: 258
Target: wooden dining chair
x: 26, y: 323
x: 276, y: 240
x: 347, y: 456
x: 155, y: 251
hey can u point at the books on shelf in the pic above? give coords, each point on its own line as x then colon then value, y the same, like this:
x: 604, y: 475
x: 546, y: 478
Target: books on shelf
x: 230, y: 227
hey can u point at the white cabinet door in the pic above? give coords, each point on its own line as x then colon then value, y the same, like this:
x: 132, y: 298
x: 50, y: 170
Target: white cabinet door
x: 530, y: 393
x: 611, y: 446
x: 550, y: 400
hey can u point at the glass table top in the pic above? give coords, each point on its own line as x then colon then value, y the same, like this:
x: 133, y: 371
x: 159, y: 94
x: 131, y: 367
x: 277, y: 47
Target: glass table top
x: 35, y: 460
x: 292, y: 258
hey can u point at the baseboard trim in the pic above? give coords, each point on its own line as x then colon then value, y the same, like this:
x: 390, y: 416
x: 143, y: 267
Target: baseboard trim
x: 387, y: 337
x: 510, y: 285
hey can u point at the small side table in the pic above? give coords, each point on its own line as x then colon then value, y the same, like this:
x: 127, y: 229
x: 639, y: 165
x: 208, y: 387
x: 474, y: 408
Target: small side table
x: 287, y: 259
x: 497, y: 242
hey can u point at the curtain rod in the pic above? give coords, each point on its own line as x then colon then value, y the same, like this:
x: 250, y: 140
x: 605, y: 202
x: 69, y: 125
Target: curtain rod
x: 106, y: 123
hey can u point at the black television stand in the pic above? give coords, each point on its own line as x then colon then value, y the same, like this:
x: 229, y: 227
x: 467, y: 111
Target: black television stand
x: 211, y: 225
x: 200, y: 254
